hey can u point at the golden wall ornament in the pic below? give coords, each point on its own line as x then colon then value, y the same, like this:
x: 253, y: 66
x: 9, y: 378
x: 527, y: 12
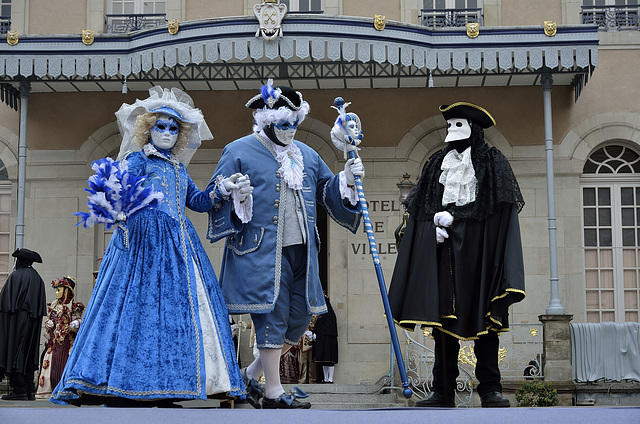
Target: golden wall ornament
x: 502, y: 353
x: 473, y: 29
x: 466, y: 356
x: 173, y: 26
x: 12, y: 38
x: 550, y: 28
x: 379, y: 22
x: 87, y: 37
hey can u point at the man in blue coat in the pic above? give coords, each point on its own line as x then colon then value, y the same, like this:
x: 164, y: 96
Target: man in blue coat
x: 270, y: 263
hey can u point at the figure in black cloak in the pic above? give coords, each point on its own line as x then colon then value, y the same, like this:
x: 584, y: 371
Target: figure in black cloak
x: 460, y: 265
x: 325, y: 348
x: 23, y: 303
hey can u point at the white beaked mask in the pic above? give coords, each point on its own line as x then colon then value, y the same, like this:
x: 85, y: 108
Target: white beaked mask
x: 285, y: 131
x: 457, y: 129
x: 164, y: 133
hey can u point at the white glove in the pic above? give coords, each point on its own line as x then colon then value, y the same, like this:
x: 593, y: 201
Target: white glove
x: 441, y: 234
x: 442, y: 219
x: 74, y: 324
x: 308, y: 333
x: 353, y: 167
x: 229, y: 183
x: 49, y: 324
x: 243, y: 188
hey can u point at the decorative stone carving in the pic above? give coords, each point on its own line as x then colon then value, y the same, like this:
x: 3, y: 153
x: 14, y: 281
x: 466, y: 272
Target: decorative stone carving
x: 270, y: 15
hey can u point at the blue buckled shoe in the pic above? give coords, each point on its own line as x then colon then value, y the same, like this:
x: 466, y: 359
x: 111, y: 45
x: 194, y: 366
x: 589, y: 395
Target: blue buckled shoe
x: 254, y: 391
x: 284, y: 401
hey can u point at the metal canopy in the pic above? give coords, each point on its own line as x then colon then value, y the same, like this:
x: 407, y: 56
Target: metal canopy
x: 316, y: 51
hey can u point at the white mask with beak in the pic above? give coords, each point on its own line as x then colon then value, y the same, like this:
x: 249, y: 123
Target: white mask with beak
x: 457, y: 129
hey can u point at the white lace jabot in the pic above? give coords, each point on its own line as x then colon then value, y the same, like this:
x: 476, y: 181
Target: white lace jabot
x: 291, y: 164
x: 458, y: 178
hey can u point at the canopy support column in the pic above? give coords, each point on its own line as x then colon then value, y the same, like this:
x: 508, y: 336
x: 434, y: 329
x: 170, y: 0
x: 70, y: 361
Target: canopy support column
x: 555, y: 306
x: 25, y: 89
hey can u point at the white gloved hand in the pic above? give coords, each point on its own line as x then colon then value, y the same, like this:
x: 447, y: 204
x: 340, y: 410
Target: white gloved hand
x: 308, y: 333
x: 74, y: 324
x: 442, y: 219
x: 49, y: 324
x: 229, y: 183
x: 353, y: 167
x: 243, y: 188
x: 441, y: 234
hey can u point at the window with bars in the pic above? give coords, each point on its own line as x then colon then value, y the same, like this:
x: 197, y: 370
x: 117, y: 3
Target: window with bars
x: 450, y: 13
x: 304, y: 6
x: 611, y: 234
x: 134, y: 15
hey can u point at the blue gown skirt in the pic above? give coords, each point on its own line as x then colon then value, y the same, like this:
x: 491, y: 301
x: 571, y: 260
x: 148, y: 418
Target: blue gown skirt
x: 156, y: 326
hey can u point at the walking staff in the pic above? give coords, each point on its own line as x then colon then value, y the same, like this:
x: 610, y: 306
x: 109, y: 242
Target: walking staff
x: 346, y: 135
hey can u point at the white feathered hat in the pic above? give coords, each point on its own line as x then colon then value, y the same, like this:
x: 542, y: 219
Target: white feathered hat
x: 163, y: 101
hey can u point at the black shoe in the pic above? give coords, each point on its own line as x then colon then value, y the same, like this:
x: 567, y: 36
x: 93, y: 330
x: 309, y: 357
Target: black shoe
x: 15, y: 396
x: 31, y: 396
x: 254, y: 392
x: 436, y: 400
x: 494, y: 400
x: 284, y: 401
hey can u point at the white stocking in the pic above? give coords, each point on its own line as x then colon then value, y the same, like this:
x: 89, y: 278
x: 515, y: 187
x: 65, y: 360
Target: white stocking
x: 271, y: 364
x: 328, y: 373
x: 254, y: 370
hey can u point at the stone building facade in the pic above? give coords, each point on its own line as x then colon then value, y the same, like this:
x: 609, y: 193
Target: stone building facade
x: 595, y: 139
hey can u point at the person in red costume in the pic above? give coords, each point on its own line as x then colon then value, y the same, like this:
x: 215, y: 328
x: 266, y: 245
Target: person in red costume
x: 61, y: 328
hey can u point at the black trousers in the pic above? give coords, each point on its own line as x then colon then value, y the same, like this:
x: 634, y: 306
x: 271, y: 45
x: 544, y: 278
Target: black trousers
x: 22, y: 383
x: 445, y: 368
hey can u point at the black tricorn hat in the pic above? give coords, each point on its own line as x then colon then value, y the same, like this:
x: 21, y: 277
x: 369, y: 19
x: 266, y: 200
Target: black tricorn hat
x: 270, y: 98
x: 27, y: 255
x: 468, y: 111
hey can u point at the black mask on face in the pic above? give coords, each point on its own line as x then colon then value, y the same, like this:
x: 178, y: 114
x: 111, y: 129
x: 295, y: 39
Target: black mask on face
x: 270, y: 133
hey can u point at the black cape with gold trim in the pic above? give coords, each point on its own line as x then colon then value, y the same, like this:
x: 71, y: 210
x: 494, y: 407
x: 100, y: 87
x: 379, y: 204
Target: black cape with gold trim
x: 466, y: 284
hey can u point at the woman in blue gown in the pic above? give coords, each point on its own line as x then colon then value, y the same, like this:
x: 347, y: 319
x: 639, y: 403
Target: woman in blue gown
x: 156, y: 327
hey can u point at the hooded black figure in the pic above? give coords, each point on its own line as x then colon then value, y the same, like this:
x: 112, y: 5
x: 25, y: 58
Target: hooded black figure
x: 460, y: 264
x: 23, y: 303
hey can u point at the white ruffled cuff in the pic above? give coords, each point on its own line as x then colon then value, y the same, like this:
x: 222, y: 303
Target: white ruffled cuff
x: 348, y: 192
x: 243, y: 209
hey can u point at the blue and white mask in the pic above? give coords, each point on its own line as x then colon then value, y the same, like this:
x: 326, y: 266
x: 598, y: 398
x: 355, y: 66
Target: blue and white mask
x: 285, y: 131
x: 164, y: 133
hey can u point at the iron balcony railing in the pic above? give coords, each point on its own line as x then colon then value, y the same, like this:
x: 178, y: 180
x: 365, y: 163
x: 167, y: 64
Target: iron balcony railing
x: 612, y: 17
x: 439, y: 18
x: 519, y: 358
x: 5, y: 24
x: 119, y: 24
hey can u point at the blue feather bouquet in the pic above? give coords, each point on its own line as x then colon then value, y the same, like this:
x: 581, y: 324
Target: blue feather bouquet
x: 115, y: 194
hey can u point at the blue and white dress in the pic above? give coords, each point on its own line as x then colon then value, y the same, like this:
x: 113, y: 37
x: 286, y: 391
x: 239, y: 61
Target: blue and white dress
x: 156, y: 326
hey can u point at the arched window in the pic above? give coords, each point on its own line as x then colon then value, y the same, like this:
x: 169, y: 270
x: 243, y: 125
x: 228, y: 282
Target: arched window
x: 610, y: 186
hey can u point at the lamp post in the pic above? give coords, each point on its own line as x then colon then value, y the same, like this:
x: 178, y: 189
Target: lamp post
x: 405, y: 186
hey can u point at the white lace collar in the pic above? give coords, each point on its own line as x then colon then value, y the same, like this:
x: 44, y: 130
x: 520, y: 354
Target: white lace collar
x: 290, y: 160
x: 458, y: 178
x: 150, y: 150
